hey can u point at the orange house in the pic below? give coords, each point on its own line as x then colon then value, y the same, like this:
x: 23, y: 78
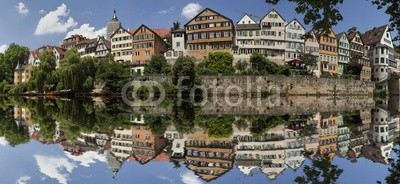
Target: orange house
x: 146, y: 43
x: 146, y: 146
x: 328, y: 52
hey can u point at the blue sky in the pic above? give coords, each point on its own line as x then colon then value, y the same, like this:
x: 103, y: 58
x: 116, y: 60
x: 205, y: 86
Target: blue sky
x: 21, y: 19
x: 37, y: 163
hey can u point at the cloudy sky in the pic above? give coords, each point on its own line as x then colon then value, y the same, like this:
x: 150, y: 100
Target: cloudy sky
x: 36, y: 23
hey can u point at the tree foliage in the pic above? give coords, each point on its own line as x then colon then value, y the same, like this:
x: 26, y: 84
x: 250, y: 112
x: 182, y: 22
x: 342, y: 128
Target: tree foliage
x: 322, y: 171
x: 157, y: 66
x: 184, y: 67
x: 262, y: 66
x: 9, y: 60
x: 220, y: 62
x: 353, y: 68
x: 324, y: 14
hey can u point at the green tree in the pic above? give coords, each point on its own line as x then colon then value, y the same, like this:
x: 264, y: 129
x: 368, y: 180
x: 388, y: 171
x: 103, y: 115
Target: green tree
x: 394, y: 170
x: 115, y: 75
x: 221, y: 62
x: 176, y: 25
x: 218, y: 127
x: 353, y: 68
x: 13, y: 133
x: 241, y: 66
x: 352, y: 30
x: 325, y: 14
x: 320, y: 169
x: 184, y: 67
x: 8, y: 62
x: 42, y: 75
x: 263, y: 66
x: 157, y: 66
x: 157, y: 124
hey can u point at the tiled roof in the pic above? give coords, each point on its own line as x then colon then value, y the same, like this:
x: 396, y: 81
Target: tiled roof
x: 162, y: 32
x: 338, y: 36
x: 178, y: 30
x: 88, y: 41
x: 374, y: 36
x: 351, y: 36
x: 248, y: 27
x: 107, y: 43
x: 60, y: 50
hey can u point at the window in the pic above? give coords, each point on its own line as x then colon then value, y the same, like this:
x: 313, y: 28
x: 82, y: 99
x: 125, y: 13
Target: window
x: 211, y: 35
x: 137, y: 53
x: 190, y: 37
x: 211, y: 17
x: 218, y: 34
x: 178, y: 44
x: 226, y: 24
x: 203, y: 26
x: 195, y: 36
x: 203, y: 35
x: 211, y: 25
x: 147, y: 53
x: 226, y: 34
x: 218, y: 24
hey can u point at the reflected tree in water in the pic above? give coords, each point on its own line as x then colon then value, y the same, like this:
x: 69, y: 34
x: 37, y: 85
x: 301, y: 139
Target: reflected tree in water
x: 394, y: 170
x: 217, y: 127
x: 322, y: 171
x: 15, y: 133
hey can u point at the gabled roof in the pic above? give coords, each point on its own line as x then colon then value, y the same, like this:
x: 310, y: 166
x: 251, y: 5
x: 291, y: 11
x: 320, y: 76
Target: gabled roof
x: 352, y: 35
x: 119, y: 29
x: 248, y: 27
x: 270, y: 12
x: 60, y: 50
x: 209, y: 9
x: 374, y: 36
x: 297, y: 22
x: 162, y: 32
x: 147, y: 29
x: 340, y: 35
x: 244, y: 17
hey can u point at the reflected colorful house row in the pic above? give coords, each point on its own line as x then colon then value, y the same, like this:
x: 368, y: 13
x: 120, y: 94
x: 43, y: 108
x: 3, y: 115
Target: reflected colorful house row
x: 369, y: 135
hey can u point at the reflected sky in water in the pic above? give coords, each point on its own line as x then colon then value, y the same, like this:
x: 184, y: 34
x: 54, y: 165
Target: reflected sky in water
x: 86, y: 142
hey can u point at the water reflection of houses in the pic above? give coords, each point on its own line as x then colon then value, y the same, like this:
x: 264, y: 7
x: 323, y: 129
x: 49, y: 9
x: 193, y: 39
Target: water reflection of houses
x: 97, y: 142
x: 382, y: 134
x: 208, y: 157
x: 328, y: 135
x: 343, y: 137
x: 272, y: 152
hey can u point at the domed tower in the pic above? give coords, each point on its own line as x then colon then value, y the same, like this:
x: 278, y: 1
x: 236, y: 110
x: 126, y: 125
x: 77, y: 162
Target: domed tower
x: 113, y: 25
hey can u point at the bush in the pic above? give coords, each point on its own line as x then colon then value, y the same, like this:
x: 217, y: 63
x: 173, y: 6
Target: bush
x: 18, y: 89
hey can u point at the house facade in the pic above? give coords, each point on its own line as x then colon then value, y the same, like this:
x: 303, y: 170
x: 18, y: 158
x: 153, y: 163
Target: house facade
x: 121, y: 45
x: 343, y: 51
x: 178, y: 46
x: 22, y: 74
x: 273, y: 36
x: 294, y: 40
x: 328, y: 52
x: 207, y: 32
x: 247, y: 40
x: 87, y: 47
x: 380, y: 47
x: 72, y: 41
x: 59, y: 53
x: 312, y: 47
x: 146, y: 43
x: 358, y: 52
x: 103, y: 47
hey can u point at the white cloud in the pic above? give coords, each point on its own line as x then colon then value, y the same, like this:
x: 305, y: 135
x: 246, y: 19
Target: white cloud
x: 191, y: 10
x: 87, y: 158
x: 87, y: 31
x: 22, y: 9
x: 53, y: 22
x: 190, y: 178
x: 53, y: 167
x: 23, y: 180
x: 3, y: 48
x: 87, y: 13
x: 169, y: 180
x: 42, y: 11
x: 166, y: 11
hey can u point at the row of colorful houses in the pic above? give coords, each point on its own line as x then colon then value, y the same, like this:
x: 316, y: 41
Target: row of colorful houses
x: 272, y: 36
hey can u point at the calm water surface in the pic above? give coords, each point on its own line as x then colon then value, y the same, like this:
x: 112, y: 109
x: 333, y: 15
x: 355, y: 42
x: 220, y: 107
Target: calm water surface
x: 84, y: 141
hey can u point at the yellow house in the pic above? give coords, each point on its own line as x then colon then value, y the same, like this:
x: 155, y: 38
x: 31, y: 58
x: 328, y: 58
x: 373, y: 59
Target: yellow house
x: 22, y: 74
x: 328, y: 136
x: 328, y: 52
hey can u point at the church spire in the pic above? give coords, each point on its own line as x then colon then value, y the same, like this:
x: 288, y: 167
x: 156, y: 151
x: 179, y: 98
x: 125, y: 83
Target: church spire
x: 115, y: 18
